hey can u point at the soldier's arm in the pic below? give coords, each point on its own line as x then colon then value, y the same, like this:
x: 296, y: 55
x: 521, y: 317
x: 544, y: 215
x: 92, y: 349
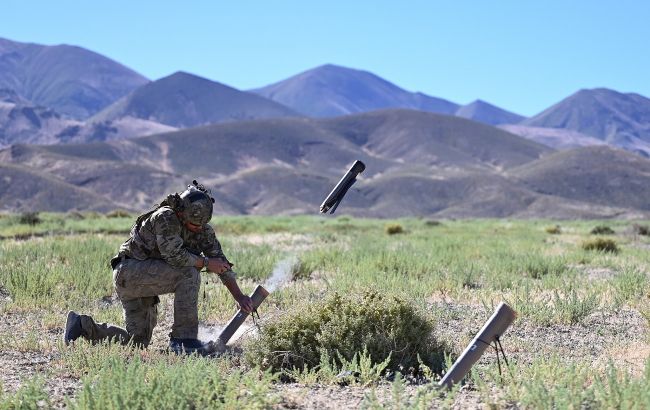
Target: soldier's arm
x: 220, y: 264
x: 211, y: 248
x: 210, y: 245
x: 167, y: 228
x: 243, y: 300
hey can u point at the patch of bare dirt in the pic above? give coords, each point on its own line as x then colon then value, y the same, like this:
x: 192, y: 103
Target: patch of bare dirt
x: 594, y: 273
x: 592, y: 339
x: 284, y: 241
x: 296, y: 396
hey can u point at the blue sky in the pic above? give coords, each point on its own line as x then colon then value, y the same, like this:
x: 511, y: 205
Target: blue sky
x: 520, y: 55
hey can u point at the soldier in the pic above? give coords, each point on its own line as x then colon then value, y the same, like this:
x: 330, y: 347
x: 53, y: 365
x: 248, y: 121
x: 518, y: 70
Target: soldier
x: 167, y: 248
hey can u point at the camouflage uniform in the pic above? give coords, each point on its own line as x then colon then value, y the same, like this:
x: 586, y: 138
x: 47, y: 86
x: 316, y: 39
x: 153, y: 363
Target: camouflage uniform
x: 158, y: 258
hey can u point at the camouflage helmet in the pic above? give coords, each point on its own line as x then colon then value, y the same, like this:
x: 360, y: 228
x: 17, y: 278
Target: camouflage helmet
x: 196, y: 204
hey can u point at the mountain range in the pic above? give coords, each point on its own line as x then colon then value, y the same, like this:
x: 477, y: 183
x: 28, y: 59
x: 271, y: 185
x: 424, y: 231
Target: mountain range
x: 23, y: 122
x: 619, y: 119
x: 330, y: 91
x: 438, y: 166
x: 184, y: 100
x: 279, y: 148
x: 70, y: 80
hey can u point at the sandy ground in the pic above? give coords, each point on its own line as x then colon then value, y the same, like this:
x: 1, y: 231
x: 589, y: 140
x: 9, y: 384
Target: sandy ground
x: 620, y: 336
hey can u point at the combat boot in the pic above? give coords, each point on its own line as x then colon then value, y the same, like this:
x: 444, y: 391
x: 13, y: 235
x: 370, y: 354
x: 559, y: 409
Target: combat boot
x: 188, y: 346
x: 73, y: 329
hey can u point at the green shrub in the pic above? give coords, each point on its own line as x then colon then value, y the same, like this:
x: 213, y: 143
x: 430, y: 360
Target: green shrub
x: 195, y: 383
x: 641, y: 229
x: 629, y: 285
x: 600, y: 244
x: 31, y: 395
x: 571, y: 307
x: 29, y: 218
x: 432, y: 222
x: 602, y: 230
x: 554, y: 230
x: 359, y: 370
x: 339, y: 327
x: 394, y: 229
x: 118, y: 213
x: 537, y: 266
x: 564, y: 306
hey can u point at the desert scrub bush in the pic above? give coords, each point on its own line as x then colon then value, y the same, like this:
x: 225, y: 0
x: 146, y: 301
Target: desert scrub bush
x: 571, y: 307
x: 394, y: 229
x: 554, y: 383
x: 600, y: 244
x: 641, y: 229
x: 537, y: 266
x: 29, y: 218
x: 426, y: 396
x: 618, y: 390
x: 629, y: 286
x: 602, y: 230
x: 359, y: 370
x: 340, y: 327
x: 432, y: 222
x: 546, y: 383
x: 31, y: 395
x: 563, y: 306
x: 554, y: 230
x: 118, y: 213
x: 194, y: 383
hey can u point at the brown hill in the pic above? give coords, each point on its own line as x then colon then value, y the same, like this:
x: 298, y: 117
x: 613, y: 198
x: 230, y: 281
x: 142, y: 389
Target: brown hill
x: 96, y: 168
x: 383, y: 139
x: 434, y: 139
x: 25, y: 123
x: 599, y: 175
x: 557, y: 138
x: 418, y: 164
x: 468, y: 195
x: 25, y: 189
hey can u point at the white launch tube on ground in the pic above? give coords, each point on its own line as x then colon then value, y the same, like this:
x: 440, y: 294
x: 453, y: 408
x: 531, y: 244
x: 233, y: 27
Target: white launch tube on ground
x: 494, y: 328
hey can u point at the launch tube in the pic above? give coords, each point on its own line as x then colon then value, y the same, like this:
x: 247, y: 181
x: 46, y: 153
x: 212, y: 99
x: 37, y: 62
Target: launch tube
x: 337, y: 194
x: 257, y: 297
x: 496, y: 325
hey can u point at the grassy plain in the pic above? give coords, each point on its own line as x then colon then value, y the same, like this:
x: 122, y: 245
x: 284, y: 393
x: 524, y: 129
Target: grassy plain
x: 581, y: 339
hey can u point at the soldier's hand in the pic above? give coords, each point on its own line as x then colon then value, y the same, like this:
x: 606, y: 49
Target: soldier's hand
x: 245, y: 303
x: 218, y: 266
